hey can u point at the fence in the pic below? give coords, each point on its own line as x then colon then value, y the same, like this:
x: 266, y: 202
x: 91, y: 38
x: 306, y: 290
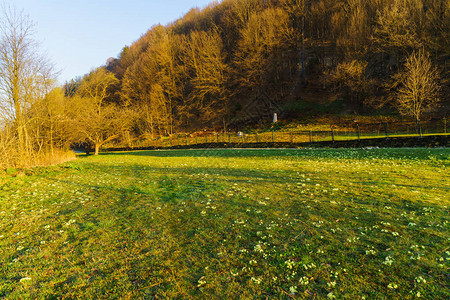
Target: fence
x: 337, y: 132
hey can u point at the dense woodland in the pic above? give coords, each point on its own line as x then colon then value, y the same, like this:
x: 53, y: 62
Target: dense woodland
x: 209, y: 68
x: 205, y: 67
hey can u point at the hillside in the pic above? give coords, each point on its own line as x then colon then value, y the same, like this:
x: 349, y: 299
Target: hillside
x: 306, y: 57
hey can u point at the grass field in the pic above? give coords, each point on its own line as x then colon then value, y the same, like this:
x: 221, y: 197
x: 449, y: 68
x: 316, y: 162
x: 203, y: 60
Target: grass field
x: 229, y: 224
x: 266, y: 137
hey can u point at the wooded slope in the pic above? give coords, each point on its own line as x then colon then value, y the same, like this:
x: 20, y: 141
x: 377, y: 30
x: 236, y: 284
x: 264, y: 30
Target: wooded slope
x: 206, y: 68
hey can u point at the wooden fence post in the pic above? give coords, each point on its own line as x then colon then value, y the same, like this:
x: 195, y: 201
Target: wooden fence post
x: 310, y: 136
x: 292, y: 137
x: 332, y: 134
x: 206, y: 139
x: 229, y: 138
x: 358, y: 131
x: 256, y: 135
x: 445, y: 125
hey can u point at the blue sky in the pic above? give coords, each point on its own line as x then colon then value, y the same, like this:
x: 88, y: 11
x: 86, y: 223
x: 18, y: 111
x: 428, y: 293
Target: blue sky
x: 78, y: 35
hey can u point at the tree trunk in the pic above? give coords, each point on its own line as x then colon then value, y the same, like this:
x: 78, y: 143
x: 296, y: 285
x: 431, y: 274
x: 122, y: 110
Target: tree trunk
x: 303, y: 53
x: 418, y: 127
x: 97, y: 149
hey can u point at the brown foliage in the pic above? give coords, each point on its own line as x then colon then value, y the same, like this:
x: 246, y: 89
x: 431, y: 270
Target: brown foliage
x: 210, y: 63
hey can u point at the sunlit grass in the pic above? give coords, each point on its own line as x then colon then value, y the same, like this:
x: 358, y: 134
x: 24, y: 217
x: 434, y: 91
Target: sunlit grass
x: 216, y: 224
x: 269, y: 137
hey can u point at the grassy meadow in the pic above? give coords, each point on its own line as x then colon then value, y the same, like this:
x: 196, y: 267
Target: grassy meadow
x: 229, y: 224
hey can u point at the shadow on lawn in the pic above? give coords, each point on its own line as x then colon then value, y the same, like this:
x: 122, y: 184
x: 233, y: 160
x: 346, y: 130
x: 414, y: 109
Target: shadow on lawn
x: 193, y: 175
x: 381, y: 153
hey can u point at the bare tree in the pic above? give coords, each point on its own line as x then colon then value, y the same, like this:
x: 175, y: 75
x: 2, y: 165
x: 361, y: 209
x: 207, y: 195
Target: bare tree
x: 97, y: 129
x: 204, y: 61
x: 419, y: 91
x: 350, y: 80
x: 92, y: 118
x: 151, y: 82
x: 262, y: 48
x: 48, y: 122
x: 96, y: 86
x: 24, y: 73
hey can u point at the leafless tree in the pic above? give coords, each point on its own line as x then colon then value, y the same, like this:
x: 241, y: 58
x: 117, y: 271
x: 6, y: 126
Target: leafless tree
x: 93, y: 120
x: 88, y: 126
x: 24, y: 73
x: 420, y: 87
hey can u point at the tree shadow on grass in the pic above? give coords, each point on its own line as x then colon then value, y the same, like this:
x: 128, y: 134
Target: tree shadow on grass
x: 142, y: 234
x: 380, y: 153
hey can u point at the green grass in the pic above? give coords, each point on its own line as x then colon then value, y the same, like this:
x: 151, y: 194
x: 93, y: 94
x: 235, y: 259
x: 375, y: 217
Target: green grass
x: 267, y: 137
x: 221, y: 224
x: 354, y: 136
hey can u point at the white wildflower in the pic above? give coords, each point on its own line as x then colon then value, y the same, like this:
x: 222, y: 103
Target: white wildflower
x: 370, y: 252
x: 420, y: 279
x: 392, y: 286
x: 304, y: 280
x: 70, y: 222
x: 388, y: 261
x: 258, y: 248
x: 201, y: 281
x: 289, y: 264
x: 293, y: 289
x: 256, y: 280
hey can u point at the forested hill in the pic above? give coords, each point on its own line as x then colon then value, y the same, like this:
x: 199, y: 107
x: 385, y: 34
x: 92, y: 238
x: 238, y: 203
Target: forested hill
x: 236, y: 60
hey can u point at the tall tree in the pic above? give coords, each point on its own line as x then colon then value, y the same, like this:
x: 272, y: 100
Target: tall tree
x: 349, y: 79
x: 419, y: 92
x: 93, y: 128
x: 263, y: 49
x: 49, y: 121
x: 95, y: 120
x: 24, y: 73
x: 395, y: 28
x: 97, y: 85
x: 152, y: 82
x: 206, y: 70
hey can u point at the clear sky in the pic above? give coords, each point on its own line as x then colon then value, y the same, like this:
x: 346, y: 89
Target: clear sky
x: 78, y: 35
